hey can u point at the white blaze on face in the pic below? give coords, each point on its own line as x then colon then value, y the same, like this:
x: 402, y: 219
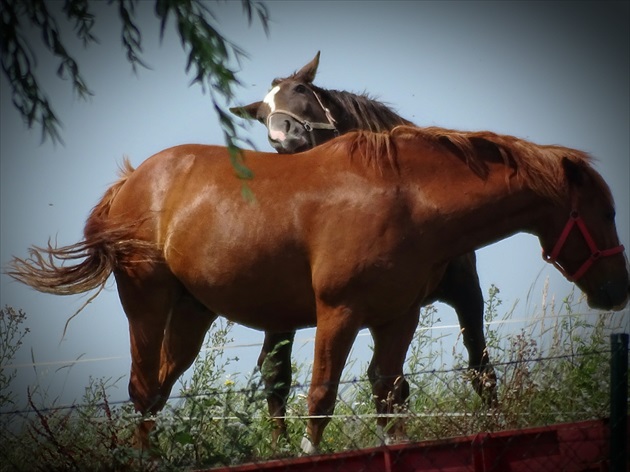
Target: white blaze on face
x: 270, y: 98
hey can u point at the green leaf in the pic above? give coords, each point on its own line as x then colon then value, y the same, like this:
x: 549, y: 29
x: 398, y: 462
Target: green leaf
x: 183, y: 438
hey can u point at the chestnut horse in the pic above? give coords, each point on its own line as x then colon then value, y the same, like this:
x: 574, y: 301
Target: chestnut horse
x: 298, y: 116
x: 354, y: 233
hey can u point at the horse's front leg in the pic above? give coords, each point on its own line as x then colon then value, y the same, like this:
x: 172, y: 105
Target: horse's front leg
x: 275, y: 367
x: 389, y: 387
x: 337, y: 328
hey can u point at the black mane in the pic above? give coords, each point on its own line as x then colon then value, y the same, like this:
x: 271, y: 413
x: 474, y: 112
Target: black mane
x: 359, y: 112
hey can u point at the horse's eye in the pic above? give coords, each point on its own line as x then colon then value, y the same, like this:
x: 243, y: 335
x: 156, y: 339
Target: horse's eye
x: 299, y: 88
x: 610, y: 215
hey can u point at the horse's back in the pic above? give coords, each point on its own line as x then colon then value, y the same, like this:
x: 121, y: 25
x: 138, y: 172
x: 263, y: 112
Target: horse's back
x: 166, y: 176
x: 318, y: 223
x: 232, y: 253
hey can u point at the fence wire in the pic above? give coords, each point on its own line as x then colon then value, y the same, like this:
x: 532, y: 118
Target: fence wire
x: 228, y: 426
x: 213, y: 422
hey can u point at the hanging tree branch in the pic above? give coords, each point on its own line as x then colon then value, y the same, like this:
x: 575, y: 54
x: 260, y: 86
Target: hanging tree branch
x: 18, y: 60
x: 208, y: 54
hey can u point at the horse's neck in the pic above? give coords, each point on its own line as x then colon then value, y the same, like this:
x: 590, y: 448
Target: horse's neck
x: 475, y: 213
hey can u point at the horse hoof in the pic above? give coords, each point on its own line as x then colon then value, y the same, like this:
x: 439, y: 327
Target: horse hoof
x: 307, y: 447
x: 387, y: 439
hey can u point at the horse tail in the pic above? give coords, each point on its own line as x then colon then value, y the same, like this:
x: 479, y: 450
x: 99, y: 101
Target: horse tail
x: 106, y: 245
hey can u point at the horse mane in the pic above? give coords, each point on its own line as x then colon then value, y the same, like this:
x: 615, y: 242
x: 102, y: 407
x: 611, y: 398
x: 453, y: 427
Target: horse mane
x: 538, y: 166
x: 361, y: 112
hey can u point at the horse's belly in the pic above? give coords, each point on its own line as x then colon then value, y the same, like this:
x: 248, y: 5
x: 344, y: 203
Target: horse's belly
x: 270, y: 317
x: 268, y: 293
x: 260, y: 306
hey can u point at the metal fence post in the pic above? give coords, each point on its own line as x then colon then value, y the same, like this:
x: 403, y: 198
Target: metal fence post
x: 619, y: 402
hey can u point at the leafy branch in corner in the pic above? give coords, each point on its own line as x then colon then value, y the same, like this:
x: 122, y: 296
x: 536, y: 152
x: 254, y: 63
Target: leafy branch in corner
x: 208, y: 52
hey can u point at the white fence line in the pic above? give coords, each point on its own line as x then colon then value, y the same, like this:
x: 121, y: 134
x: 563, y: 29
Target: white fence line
x: 299, y: 340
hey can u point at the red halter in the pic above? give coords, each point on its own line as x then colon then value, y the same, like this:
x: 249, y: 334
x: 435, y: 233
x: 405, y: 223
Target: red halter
x: 576, y: 220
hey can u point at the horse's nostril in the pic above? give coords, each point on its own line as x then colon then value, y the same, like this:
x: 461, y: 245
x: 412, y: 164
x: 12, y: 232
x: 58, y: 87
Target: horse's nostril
x: 287, y: 126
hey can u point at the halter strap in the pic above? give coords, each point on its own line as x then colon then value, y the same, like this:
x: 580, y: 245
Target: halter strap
x: 575, y: 220
x: 309, y: 126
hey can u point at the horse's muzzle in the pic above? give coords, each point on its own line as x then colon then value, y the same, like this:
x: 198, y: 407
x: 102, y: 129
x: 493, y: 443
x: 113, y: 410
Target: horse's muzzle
x: 286, y: 135
x: 610, y: 296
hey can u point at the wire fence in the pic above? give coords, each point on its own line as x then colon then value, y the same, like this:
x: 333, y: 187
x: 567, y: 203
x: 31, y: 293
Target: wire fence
x: 213, y: 422
x: 300, y: 340
x: 301, y: 388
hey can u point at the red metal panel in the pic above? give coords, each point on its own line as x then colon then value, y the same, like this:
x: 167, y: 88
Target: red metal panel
x: 569, y: 447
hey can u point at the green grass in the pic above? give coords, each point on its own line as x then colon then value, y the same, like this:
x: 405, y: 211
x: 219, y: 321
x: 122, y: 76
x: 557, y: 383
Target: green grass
x: 555, y: 369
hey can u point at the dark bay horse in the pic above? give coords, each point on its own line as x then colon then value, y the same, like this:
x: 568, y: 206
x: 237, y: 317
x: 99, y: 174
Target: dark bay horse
x: 358, y: 234
x: 298, y: 116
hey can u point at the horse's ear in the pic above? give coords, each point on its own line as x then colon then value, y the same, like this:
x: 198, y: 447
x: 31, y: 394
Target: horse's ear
x: 573, y: 171
x: 247, y: 112
x: 308, y: 72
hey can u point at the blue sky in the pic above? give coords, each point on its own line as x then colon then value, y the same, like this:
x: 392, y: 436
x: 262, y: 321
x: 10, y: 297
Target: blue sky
x: 550, y: 72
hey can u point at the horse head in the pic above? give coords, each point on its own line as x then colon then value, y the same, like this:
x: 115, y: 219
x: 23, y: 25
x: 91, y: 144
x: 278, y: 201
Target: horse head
x: 581, y: 239
x: 293, y: 112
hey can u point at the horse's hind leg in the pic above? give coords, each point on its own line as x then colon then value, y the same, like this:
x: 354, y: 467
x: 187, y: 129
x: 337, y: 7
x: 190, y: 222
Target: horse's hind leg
x: 275, y: 366
x: 385, y: 372
x: 147, y: 296
x: 460, y: 289
x: 185, y: 332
